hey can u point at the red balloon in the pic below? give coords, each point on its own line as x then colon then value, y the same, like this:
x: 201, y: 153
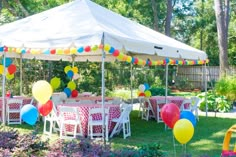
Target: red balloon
x: 11, y: 69
x: 116, y: 53
x: 170, y: 114
x: 45, y: 109
x: 87, y: 49
x: 74, y: 93
x: 141, y: 94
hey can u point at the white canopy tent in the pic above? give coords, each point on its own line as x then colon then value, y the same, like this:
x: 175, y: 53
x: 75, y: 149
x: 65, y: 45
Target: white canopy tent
x: 81, y: 23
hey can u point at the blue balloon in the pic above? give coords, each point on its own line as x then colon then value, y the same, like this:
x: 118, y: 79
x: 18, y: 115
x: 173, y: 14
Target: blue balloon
x: 29, y: 114
x: 8, y: 62
x: 112, y: 50
x: 146, y: 86
x: 67, y: 91
x: 188, y: 115
x: 80, y: 50
x: 70, y: 73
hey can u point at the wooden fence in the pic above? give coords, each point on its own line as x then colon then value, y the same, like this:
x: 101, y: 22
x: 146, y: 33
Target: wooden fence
x: 193, y: 76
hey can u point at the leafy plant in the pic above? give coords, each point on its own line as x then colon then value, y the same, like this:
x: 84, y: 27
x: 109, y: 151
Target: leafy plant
x: 227, y: 87
x: 214, y: 102
x: 159, y: 91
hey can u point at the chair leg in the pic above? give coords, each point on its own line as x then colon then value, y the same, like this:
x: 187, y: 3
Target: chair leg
x: 75, y: 130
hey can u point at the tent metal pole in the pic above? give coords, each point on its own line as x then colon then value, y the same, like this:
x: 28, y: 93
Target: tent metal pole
x: 131, y: 83
x: 103, y: 91
x: 3, y: 90
x: 205, y: 84
x: 21, y: 75
x: 166, y: 83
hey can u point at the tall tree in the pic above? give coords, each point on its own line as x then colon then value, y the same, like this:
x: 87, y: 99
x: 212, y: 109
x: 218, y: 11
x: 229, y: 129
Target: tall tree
x: 222, y: 21
x: 168, y: 17
x: 155, y: 14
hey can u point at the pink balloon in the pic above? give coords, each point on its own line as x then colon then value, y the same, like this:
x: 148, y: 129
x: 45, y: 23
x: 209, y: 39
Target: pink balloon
x: 170, y: 114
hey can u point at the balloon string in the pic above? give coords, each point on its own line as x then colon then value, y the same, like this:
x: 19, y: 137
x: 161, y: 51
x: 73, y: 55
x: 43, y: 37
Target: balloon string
x: 174, y: 145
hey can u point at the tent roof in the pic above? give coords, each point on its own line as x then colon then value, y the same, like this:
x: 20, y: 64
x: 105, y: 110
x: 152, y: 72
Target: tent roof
x: 83, y: 22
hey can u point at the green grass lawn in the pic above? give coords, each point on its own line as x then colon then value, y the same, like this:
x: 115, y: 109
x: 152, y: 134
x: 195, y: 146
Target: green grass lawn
x: 207, y: 139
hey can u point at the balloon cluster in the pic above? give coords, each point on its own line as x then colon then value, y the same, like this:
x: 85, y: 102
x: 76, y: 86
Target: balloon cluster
x: 107, y: 48
x: 182, y: 123
x: 55, y: 83
x: 72, y: 73
x: 144, y: 90
x: 42, y: 92
x: 11, y: 68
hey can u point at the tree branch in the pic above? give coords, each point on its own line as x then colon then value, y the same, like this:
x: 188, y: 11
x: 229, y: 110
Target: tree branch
x: 25, y: 12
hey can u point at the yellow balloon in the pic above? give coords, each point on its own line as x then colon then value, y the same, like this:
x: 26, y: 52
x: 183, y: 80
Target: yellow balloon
x: 67, y: 68
x: 55, y: 82
x: 73, y: 50
x: 1, y: 69
x: 75, y: 70
x: 9, y: 76
x: 42, y: 91
x: 183, y: 131
x: 71, y: 85
x: 107, y: 47
x: 148, y: 93
x: 129, y: 59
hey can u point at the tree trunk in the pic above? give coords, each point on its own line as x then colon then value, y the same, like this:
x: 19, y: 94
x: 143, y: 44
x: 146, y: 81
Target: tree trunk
x: 155, y: 14
x: 24, y: 11
x: 222, y: 36
x: 168, y: 17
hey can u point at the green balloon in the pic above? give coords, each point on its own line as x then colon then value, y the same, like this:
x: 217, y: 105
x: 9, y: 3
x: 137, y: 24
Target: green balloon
x: 148, y: 93
x: 55, y: 82
x: 71, y: 85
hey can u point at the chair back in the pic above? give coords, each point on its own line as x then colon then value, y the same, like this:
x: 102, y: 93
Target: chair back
x: 186, y: 105
x: 117, y: 101
x: 68, y: 112
x: 162, y: 102
x: 12, y: 103
x: 99, y: 111
x: 125, y: 113
x: 195, y: 102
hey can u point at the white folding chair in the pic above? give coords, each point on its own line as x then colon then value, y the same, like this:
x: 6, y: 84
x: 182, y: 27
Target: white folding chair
x: 147, y: 112
x: 13, y: 108
x: 194, y: 106
x: 160, y: 104
x: 141, y: 105
x: 186, y: 104
x: 123, y: 122
x: 53, y: 120
x: 94, y: 121
x: 69, y: 116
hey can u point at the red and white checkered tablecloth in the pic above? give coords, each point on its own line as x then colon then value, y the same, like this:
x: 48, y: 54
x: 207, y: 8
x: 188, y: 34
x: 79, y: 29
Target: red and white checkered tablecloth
x: 173, y: 99
x: 94, y: 98
x: 26, y: 100
x: 114, y: 112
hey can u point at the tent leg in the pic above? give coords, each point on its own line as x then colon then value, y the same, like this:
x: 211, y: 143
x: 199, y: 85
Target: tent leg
x: 205, y: 83
x: 21, y: 75
x: 131, y: 83
x: 103, y: 92
x: 166, y: 83
x: 3, y: 90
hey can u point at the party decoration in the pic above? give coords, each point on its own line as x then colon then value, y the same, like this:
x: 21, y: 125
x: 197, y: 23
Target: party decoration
x: 75, y: 70
x: 146, y: 86
x: 170, y: 114
x: 67, y: 68
x: 74, y: 93
x: 9, y: 76
x: 70, y: 74
x: 183, y: 131
x: 148, y: 93
x: 45, y: 109
x: 71, y: 85
x: 1, y: 69
x: 11, y: 69
x: 29, y: 114
x: 67, y: 91
x: 42, y: 91
x: 141, y: 87
x: 189, y: 116
x: 141, y: 94
x: 75, y: 76
x: 8, y: 62
x: 63, y: 96
x: 55, y: 82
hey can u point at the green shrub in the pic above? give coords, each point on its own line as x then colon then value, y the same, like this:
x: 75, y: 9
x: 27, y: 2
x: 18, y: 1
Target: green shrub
x: 159, y: 91
x: 227, y: 86
x: 214, y: 102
